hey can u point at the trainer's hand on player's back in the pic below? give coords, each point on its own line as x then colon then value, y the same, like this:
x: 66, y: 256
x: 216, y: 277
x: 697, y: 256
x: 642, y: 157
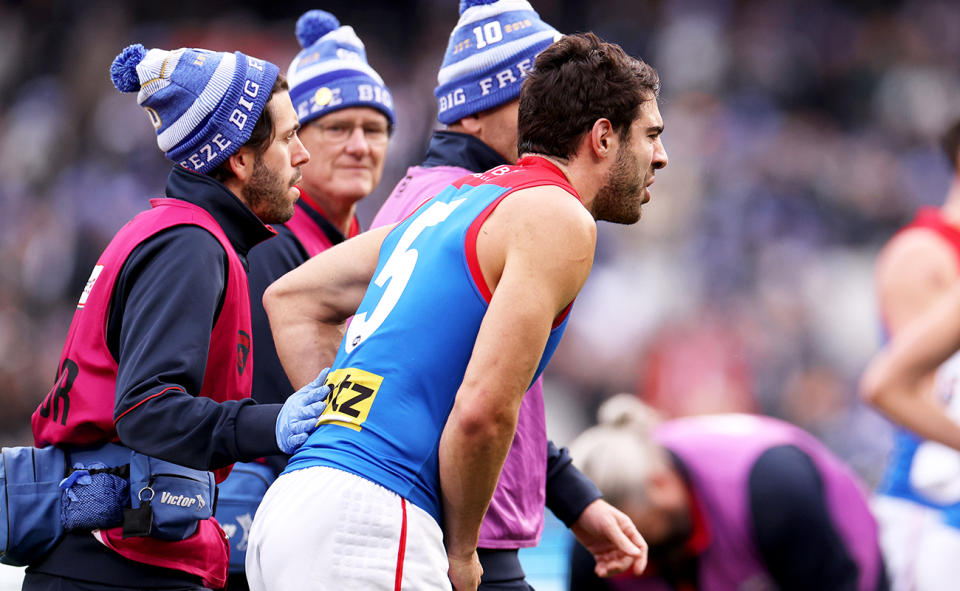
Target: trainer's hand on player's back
x: 464, y: 571
x: 298, y: 417
x: 611, y: 536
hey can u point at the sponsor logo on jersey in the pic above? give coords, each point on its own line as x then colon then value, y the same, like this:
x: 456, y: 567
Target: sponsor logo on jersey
x: 352, y: 393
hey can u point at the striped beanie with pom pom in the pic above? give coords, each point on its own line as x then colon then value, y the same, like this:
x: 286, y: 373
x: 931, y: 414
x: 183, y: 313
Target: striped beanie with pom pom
x: 203, y: 104
x: 331, y: 72
x: 489, y: 54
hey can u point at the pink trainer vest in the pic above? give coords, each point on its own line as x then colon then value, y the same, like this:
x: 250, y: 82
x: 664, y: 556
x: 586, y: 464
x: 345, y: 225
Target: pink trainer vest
x: 79, y: 410
x: 718, y: 452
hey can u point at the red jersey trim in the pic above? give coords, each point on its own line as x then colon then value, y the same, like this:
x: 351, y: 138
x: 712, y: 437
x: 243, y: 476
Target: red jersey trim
x: 470, y: 247
x: 402, y: 549
x: 562, y: 316
x: 414, y: 210
x: 473, y: 261
x: 932, y: 218
x: 542, y: 162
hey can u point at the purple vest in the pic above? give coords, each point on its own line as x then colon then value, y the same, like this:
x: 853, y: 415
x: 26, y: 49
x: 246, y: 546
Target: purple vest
x: 515, y: 516
x: 718, y: 452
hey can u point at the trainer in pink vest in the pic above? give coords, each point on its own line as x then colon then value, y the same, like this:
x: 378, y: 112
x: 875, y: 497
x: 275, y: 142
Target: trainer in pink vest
x: 79, y: 410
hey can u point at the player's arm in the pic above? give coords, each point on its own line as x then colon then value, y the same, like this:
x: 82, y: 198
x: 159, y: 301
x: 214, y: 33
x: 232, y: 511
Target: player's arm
x: 920, y: 300
x: 167, y: 296
x: 602, y: 528
x: 542, y: 243
x: 897, y: 378
x: 308, y: 306
x: 569, y: 491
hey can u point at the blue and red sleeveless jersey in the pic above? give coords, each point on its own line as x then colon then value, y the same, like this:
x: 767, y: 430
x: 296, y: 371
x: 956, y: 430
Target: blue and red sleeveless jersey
x: 896, y: 480
x: 514, y: 518
x: 406, y: 350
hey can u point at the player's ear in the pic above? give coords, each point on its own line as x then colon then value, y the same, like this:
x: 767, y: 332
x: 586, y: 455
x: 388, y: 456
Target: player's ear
x: 241, y: 163
x: 602, y: 138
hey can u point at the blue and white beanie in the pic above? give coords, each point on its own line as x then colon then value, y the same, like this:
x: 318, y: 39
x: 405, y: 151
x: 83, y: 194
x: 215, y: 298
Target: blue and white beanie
x: 331, y: 72
x: 490, y: 52
x: 203, y: 104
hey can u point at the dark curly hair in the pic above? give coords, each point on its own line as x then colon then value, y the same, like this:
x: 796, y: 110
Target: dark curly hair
x: 574, y: 82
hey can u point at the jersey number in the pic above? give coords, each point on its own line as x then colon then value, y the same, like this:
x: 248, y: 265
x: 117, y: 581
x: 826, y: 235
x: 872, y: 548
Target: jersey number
x: 59, y: 396
x: 397, y: 270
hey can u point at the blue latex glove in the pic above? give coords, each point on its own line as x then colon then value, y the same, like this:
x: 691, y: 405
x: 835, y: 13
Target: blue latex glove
x: 298, y: 417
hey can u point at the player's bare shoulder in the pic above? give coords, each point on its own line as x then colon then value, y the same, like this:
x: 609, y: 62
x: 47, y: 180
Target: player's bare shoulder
x: 549, y: 212
x: 913, y: 270
x: 916, y: 255
x: 546, y: 227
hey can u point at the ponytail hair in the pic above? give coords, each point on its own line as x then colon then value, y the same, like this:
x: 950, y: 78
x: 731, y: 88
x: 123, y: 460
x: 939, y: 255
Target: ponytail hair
x: 620, y: 453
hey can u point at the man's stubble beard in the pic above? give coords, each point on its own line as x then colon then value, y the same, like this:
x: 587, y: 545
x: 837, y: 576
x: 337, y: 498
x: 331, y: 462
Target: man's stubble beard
x: 619, y: 199
x: 266, y: 194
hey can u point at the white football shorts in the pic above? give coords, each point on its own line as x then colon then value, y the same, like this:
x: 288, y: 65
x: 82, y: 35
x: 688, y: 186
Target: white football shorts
x: 921, y: 552
x: 322, y: 528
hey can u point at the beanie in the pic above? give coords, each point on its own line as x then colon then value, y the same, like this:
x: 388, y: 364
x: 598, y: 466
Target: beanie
x: 331, y: 73
x: 490, y: 52
x: 203, y: 104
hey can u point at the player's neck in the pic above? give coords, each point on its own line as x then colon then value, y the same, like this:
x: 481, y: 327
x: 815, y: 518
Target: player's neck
x: 582, y: 176
x: 562, y: 163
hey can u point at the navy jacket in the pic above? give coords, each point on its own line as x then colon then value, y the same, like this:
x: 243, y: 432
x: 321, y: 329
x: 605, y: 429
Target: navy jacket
x: 168, y: 295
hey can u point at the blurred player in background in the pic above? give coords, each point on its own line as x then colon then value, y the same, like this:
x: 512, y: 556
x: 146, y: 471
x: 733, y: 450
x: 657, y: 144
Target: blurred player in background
x: 455, y: 312
x: 478, y: 97
x: 346, y: 117
x: 158, y: 355
x: 728, y: 502
x: 918, y: 501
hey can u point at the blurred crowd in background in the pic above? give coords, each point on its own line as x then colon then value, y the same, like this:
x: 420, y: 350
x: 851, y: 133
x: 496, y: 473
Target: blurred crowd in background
x: 801, y: 134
